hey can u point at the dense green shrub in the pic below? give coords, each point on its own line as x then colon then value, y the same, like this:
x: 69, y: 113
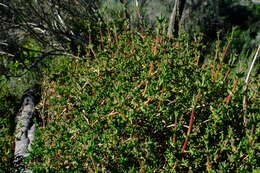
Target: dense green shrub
x: 8, y: 109
x: 130, y: 105
x: 129, y: 108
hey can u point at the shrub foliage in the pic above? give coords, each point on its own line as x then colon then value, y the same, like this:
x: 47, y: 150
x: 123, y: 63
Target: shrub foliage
x: 131, y: 107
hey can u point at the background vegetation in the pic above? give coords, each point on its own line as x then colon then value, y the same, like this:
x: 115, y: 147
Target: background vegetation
x: 120, y: 95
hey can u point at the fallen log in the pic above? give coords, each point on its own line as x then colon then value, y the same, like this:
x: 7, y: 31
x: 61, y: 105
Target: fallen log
x: 25, y: 129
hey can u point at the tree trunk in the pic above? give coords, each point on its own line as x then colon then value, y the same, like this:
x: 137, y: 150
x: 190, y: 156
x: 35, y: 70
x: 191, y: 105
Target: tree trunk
x: 173, y: 19
x: 127, y: 15
x: 199, y: 16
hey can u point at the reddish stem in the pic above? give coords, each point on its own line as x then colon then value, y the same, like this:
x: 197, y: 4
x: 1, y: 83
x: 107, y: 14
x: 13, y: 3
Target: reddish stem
x: 226, y: 74
x: 228, y: 98
x: 150, y: 69
x: 193, y: 113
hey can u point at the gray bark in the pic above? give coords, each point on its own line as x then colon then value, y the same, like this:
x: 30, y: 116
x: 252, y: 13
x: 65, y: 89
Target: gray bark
x: 191, y: 16
x: 25, y: 131
x: 173, y: 17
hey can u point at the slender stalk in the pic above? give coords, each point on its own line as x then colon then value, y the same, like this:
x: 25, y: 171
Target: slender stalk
x: 193, y: 113
x: 192, y: 116
x: 247, y: 81
x: 252, y: 65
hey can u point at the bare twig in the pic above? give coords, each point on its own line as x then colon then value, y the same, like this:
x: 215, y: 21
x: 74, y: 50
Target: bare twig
x: 6, y: 54
x: 252, y: 65
x: 4, y: 5
x: 247, y: 81
x: 44, y: 54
